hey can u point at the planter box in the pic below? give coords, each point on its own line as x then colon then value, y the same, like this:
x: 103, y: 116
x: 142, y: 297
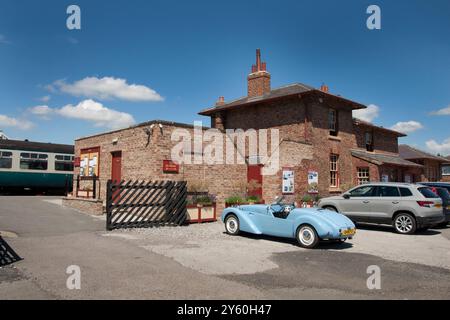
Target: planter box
x: 227, y: 205
x: 310, y: 204
x: 201, y: 213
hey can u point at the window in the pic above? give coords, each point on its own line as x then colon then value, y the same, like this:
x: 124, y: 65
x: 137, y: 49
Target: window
x: 332, y: 122
x: 386, y: 191
x: 427, y: 193
x: 405, y: 192
x: 33, y: 161
x: 366, y: 191
x: 334, y: 172
x: 368, y: 139
x: 446, y: 170
x: 63, y: 163
x: 5, y: 160
x: 363, y: 175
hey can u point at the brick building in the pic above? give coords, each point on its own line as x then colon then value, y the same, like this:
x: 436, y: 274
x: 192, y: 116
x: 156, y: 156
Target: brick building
x: 343, y: 151
x: 432, y: 165
x: 140, y: 153
x: 323, y: 150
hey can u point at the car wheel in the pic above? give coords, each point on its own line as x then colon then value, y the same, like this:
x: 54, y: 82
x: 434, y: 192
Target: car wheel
x: 307, y: 236
x: 232, y: 225
x: 331, y: 209
x: 404, y: 223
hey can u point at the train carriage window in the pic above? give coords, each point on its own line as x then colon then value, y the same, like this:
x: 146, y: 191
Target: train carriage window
x: 33, y: 161
x: 5, y: 160
x: 63, y: 163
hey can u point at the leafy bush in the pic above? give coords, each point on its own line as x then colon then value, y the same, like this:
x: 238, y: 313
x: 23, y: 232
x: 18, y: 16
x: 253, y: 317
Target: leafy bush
x: 234, y: 200
x: 253, y: 199
x: 307, y: 198
x: 205, y: 200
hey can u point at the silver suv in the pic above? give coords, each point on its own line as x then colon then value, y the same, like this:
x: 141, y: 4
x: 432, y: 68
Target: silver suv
x: 407, y: 207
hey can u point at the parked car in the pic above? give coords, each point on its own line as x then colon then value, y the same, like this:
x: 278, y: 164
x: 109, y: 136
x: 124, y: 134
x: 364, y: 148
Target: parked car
x: 442, y: 190
x: 308, y: 226
x: 407, y: 207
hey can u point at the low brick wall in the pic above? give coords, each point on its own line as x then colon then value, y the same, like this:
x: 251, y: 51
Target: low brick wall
x: 91, y: 206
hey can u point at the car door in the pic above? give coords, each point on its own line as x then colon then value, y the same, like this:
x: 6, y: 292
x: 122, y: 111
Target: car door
x: 357, y: 205
x: 273, y: 225
x: 385, y: 203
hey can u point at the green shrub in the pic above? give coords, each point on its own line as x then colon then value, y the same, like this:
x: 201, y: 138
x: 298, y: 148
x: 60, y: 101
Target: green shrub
x: 253, y: 199
x: 234, y: 200
x: 205, y: 200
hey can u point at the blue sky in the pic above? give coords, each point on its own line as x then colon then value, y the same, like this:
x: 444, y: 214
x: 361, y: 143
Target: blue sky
x: 182, y: 55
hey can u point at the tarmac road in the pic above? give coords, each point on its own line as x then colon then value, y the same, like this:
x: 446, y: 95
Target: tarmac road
x: 200, y: 261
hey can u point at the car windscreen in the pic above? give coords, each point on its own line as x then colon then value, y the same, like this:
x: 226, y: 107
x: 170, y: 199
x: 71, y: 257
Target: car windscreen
x: 427, y: 193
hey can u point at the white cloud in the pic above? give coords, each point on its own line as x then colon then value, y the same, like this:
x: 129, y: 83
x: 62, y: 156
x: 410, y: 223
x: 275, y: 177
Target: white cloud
x: 44, y: 99
x: 407, y: 126
x: 106, y: 88
x: 41, y: 110
x: 441, y: 148
x: 91, y: 111
x: 21, y: 124
x: 442, y: 112
x: 369, y: 114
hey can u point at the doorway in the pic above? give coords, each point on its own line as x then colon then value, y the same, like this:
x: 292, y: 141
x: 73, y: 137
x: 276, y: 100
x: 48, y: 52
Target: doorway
x: 116, y: 167
x: 254, y: 180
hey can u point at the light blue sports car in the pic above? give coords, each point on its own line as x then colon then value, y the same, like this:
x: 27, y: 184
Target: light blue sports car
x: 307, y: 225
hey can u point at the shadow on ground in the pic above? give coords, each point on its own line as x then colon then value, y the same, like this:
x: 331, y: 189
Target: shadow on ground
x: 330, y: 245
x: 385, y: 228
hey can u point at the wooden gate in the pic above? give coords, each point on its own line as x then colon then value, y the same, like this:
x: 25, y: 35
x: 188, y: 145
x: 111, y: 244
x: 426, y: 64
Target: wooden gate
x: 7, y: 254
x: 141, y: 204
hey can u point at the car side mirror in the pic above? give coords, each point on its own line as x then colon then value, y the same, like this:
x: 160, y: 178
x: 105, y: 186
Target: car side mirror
x: 346, y: 196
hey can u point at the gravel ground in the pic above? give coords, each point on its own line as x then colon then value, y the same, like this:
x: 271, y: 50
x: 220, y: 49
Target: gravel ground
x: 207, y: 248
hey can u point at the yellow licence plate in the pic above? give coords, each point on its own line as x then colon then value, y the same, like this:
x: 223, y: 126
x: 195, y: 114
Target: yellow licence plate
x: 437, y: 205
x: 348, y: 232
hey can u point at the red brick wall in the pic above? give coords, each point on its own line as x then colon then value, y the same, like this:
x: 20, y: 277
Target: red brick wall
x: 324, y: 145
x: 383, y: 141
x: 305, y: 122
x: 143, y: 162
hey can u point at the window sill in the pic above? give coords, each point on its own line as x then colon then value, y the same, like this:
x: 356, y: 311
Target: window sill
x: 334, y: 189
x: 334, y: 138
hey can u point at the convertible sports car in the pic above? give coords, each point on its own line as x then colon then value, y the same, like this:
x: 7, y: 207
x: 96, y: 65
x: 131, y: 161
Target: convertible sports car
x: 308, y: 226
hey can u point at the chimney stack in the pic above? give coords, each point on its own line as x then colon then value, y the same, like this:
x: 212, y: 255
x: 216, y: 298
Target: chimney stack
x: 258, y: 80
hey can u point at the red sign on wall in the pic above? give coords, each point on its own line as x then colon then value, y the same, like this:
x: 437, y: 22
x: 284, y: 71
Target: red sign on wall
x: 76, y: 162
x: 170, y: 167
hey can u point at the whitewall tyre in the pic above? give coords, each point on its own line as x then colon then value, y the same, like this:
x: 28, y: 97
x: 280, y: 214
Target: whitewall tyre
x: 307, y: 237
x: 232, y: 225
x: 405, y: 223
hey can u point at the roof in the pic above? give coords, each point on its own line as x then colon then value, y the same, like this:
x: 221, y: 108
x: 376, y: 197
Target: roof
x: 370, y: 124
x: 144, y: 124
x: 36, y: 146
x: 277, y: 93
x: 383, y: 158
x: 408, y: 152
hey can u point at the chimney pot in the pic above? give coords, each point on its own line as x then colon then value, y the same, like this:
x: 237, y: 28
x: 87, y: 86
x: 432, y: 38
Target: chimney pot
x: 324, y: 88
x: 220, y: 101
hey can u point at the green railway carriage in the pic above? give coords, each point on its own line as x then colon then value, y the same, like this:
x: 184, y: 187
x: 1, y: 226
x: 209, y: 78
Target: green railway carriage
x: 35, y: 165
